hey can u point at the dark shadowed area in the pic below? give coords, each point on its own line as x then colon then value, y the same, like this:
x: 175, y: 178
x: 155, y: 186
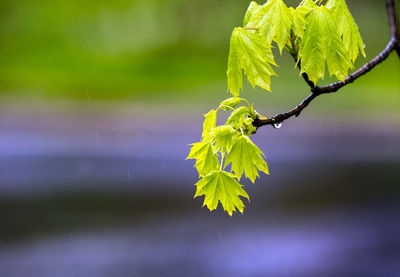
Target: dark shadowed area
x: 99, y: 101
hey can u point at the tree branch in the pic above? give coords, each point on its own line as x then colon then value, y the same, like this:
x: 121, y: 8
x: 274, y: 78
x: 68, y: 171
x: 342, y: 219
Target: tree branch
x: 393, y: 23
x: 362, y: 71
x: 393, y: 45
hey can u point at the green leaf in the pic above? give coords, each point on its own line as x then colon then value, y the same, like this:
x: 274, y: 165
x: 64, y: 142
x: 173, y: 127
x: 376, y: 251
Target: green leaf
x: 223, y: 138
x: 273, y: 20
x: 206, y: 159
x: 250, y: 53
x: 221, y: 186
x: 322, y: 42
x: 301, y: 19
x: 301, y: 16
x: 210, y: 122
x: 234, y: 72
x: 312, y: 51
x: 230, y: 103
x: 250, y: 11
x: 238, y: 116
x: 337, y: 58
x: 246, y: 157
x: 291, y: 10
x: 348, y: 28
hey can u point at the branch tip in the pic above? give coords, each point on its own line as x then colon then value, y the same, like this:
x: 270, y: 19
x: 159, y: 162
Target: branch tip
x: 393, y: 45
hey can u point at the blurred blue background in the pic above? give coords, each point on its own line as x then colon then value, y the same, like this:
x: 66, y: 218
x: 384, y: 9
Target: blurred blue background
x: 98, y: 103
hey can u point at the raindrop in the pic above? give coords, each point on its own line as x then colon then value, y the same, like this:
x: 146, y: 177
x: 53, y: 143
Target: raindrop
x: 278, y: 125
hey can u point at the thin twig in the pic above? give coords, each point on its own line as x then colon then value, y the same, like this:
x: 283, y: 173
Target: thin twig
x: 393, y: 45
x: 394, y: 23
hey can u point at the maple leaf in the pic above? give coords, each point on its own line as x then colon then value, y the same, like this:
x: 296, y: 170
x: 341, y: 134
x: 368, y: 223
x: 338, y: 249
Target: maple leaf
x: 273, y: 21
x: 348, y: 28
x: 250, y: 53
x: 253, y: 7
x: 205, y: 156
x: 223, y: 136
x: 221, y: 186
x: 246, y: 157
x: 301, y: 19
x: 230, y: 103
x: 238, y: 116
x: 210, y: 122
x: 321, y: 42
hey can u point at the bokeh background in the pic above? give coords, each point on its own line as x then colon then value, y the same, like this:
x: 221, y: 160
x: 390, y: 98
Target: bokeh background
x: 98, y: 103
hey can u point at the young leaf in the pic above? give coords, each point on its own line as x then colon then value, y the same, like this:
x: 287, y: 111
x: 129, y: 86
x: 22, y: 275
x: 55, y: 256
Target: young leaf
x: 238, y: 116
x: 230, y: 103
x: 273, y: 20
x: 301, y: 19
x: 322, y: 42
x: 210, y: 122
x: 337, y: 58
x: 249, y: 52
x: 223, y: 137
x: 206, y: 159
x: 234, y: 72
x: 221, y: 186
x: 246, y: 157
x: 312, y: 51
x: 348, y: 28
x: 248, y: 127
x: 253, y: 7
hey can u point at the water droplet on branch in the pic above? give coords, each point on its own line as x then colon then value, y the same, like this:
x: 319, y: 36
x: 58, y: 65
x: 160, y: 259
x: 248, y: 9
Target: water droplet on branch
x: 278, y: 125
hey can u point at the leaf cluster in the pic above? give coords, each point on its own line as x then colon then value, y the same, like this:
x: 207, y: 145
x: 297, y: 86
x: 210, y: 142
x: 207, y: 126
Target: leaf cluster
x: 316, y: 35
x: 225, y: 154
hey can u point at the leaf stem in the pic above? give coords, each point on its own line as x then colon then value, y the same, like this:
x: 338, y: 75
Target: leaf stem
x: 222, y: 161
x: 242, y: 131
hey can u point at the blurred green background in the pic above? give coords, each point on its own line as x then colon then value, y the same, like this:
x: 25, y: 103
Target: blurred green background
x: 157, y: 50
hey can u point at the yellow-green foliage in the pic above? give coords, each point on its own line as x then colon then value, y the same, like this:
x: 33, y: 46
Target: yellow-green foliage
x: 316, y: 35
